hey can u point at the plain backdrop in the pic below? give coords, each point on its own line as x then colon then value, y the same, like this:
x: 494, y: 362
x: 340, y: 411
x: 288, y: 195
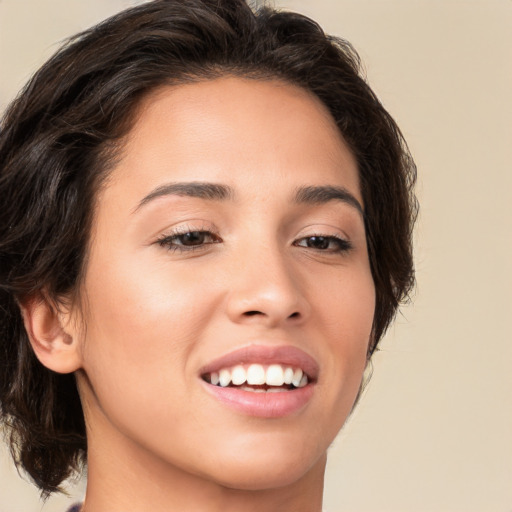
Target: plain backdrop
x: 434, y: 429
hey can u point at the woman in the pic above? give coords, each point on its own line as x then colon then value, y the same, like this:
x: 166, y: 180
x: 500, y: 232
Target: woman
x: 206, y: 232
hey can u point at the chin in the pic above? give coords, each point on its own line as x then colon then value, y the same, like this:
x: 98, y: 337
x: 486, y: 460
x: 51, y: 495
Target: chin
x: 265, y: 477
x: 264, y: 467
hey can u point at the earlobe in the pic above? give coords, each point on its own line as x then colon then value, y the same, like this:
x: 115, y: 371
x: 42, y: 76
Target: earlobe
x: 54, y: 345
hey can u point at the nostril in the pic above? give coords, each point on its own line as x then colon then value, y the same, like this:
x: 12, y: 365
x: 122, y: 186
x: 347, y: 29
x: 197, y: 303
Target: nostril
x: 296, y: 314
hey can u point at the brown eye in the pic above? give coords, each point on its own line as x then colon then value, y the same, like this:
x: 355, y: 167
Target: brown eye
x: 324, y: 243
x: 193, y: 238
x: 189, y: 240
x: 318, y: 242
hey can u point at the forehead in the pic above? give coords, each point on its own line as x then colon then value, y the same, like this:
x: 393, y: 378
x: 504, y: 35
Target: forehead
x: 236, y: 131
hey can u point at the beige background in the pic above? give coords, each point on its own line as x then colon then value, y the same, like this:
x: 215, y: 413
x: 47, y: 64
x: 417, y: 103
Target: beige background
x: 434, y: 431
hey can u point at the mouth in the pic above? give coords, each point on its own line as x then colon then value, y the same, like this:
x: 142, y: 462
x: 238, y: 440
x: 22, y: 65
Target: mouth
x: 262, y: 381
x: 259, y: 378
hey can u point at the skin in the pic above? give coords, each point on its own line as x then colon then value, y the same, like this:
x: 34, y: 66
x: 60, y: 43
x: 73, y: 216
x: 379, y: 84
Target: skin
x: 155, y: 316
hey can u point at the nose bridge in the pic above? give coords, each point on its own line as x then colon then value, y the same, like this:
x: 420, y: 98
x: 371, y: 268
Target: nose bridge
x: 265, y: 287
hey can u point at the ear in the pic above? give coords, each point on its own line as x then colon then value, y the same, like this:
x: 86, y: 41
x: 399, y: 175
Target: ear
x: 55, y: 345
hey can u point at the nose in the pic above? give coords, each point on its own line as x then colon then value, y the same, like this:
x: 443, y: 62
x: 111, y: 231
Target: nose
x: 266, y: 290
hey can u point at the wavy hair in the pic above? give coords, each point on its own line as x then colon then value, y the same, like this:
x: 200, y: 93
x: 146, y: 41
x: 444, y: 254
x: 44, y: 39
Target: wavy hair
x: 60, y: 136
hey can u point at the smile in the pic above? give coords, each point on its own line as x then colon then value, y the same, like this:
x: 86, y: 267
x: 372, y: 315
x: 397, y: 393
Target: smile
x: 259, y: 378
x: 262, y: 381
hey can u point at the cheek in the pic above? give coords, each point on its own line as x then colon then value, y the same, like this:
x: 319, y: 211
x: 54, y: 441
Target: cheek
x: 144, y: 295
x: 346, y: 320
x: 141, y: 318
x: 143, y: 323
x: 347, y: 304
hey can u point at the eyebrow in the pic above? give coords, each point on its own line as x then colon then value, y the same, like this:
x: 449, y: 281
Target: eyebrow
x: 319, y: 194
x: 326, y: 193
x: 209, y: 191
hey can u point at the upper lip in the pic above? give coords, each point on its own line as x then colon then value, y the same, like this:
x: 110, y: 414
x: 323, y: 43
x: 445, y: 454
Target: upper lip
x: 263, y: 354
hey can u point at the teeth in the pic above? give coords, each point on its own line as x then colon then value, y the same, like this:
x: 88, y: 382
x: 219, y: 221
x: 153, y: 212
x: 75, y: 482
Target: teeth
x: 255, y: 375
x: 238, y: 375
x: 253, y: 390
x: 224, y: 378
x: 260, y: 390
x: 288, y: 375
x: 297, y: 376
x: 303, y: 382
x: 275, y: 375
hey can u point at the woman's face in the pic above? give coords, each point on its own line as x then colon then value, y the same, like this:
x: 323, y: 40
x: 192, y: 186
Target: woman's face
x: 228, y: 240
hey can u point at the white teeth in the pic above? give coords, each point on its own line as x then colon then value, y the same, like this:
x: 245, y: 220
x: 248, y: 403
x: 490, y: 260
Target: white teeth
x: 303, y: 382
x: 238, y: 375
x: 253, y: 390
x: 288, y: 375
x: 276, y: 390
x: 255, y: 375
x: 275, y: 376
x: 214, y: 378
x: 297, y: 376
x: 260, y: 390
x: 224, y: 378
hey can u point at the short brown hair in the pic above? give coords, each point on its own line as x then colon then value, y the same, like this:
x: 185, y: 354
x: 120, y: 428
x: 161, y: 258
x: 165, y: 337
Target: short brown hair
x: 59, y: 136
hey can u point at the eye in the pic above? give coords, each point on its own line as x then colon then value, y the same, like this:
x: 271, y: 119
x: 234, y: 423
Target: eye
x: 188, y: 240
x: 324, y: 243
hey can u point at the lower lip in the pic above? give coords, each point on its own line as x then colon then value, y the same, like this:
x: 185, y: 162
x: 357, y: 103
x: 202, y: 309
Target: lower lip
x: 263, y: 405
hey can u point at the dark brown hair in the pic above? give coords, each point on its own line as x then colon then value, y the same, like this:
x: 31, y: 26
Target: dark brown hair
x: 58, y: 139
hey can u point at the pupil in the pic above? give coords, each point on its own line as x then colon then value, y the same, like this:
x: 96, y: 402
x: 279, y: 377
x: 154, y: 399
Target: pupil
x: 193, y: 238
x: 318, y: 242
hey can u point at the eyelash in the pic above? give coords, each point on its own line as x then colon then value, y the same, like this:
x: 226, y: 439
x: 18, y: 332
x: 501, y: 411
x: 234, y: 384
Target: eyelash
x: 342, y: 245
x: 169, y: 241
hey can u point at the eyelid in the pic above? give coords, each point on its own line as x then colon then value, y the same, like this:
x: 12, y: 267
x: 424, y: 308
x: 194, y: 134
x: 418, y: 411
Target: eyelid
x: 323, y: 229
x: 344, y: 245
x: 187, y: 226
x: 328, y: 230
x: 166, y: 238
